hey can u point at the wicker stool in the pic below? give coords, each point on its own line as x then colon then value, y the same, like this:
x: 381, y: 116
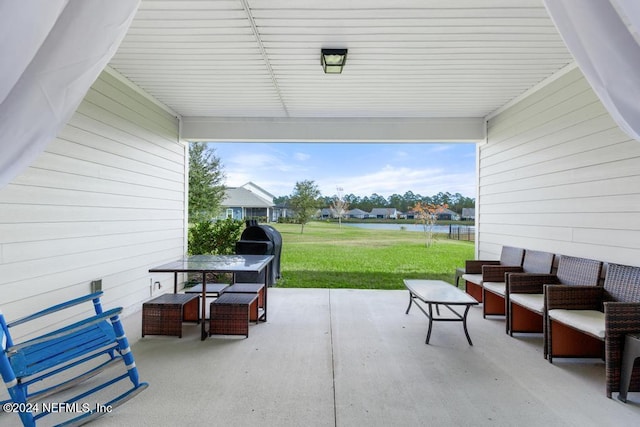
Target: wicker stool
x: 252, y: 288
x: 164, y: 315
x: 629, y: 356
x: 230, y: 314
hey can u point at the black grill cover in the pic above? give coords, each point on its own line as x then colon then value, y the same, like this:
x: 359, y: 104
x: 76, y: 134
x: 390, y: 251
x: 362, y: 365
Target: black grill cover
x: 260, y: 240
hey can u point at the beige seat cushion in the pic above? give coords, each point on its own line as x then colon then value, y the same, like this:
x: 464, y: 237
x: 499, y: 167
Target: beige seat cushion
x: 497, y: 288
x: 473, y: 278
x: 533, y: 302
x: 589, y: 321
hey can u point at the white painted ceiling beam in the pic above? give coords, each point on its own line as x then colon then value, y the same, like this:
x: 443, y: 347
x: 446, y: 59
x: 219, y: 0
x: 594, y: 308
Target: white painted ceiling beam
x: 387, y: 130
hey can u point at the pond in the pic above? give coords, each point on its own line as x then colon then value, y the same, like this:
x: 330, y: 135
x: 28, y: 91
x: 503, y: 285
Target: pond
x: 406, y: 227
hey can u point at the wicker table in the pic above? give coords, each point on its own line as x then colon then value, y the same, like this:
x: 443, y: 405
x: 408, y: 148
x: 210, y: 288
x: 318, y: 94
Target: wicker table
x: 205, y: 264
x: 164, y: 315
x: 437, y: 292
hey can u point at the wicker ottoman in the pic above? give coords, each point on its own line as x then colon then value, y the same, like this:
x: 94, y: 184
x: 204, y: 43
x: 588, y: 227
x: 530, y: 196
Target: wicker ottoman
x: 230, y: 314
x: 164, y: 315
x: 252, y: 288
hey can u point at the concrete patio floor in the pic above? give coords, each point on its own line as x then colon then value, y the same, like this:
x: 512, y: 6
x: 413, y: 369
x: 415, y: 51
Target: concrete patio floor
x: 354, y: 358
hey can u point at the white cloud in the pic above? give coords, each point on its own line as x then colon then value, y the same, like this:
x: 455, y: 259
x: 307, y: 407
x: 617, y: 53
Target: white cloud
x: 401, y: 155
x: 380, y: 169
x: 251, y: 160
x: 301, y: 156
x: 390, y: 180
x: 262, y: 169
x: 438, y: 148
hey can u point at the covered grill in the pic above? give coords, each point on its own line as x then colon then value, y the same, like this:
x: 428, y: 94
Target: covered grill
x: 260, y: 239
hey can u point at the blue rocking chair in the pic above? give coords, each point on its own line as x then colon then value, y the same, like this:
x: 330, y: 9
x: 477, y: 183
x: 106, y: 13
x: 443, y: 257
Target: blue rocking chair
x: 43, y: 367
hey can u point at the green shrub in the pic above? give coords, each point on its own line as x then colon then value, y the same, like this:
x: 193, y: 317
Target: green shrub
x: 286, y: 220
x: 219, y: 237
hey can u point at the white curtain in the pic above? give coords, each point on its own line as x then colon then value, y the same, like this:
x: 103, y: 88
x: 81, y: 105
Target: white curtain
x: 51, y: 52
x: 603, y: 37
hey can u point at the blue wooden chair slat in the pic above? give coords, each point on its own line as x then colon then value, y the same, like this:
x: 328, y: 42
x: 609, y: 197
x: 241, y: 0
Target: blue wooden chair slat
x: 88, y: 346
x: 44, y: 355
x: 57, y: 307
x: 65, y: 331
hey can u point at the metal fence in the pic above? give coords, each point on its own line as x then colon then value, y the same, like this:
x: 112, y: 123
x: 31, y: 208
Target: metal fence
x: 462, y: 232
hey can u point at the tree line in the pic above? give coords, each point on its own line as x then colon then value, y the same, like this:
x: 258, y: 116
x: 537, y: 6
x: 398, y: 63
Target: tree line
x: 207, y: 191
x: 403, y: 202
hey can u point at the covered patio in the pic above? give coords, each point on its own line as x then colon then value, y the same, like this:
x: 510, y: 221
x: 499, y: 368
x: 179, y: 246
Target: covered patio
x: 352, y: 357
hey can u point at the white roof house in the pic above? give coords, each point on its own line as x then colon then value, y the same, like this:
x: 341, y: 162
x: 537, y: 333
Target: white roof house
x: 247, y: 202
x: 244, y: 198
x: 94, y: 165
x: 384, y: 213
x: 357, y: 213
x: 449, y: 214
x: 325, y: 213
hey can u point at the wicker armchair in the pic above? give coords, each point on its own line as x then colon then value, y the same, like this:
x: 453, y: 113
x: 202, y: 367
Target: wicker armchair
x: 495, y: 278
x: 592, y: 321
x: 525, y: 292
x: 473, y: 278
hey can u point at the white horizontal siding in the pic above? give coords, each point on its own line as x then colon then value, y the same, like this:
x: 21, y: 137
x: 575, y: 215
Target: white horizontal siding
x: 558, y: 175
x: 106, y: 200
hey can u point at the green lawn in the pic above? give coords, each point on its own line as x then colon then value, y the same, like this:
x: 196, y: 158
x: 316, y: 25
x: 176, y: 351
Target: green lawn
x: 327, y: 256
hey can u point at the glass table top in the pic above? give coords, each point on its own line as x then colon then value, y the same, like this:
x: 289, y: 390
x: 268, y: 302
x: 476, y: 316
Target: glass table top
x: 216, y: 263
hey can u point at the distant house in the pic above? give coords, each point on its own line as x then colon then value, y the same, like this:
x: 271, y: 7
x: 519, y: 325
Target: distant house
x: 326, y: 213
x: 248, y: 202
x: 468, y: 214
x: 357, y: 214
x: 448, y: 215
x: 282, y: 211
x: 384, y: 213
x: 445, y: 215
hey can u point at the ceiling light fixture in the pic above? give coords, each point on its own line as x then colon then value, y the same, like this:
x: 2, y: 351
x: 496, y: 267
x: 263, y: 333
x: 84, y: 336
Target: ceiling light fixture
x: 333, y: 60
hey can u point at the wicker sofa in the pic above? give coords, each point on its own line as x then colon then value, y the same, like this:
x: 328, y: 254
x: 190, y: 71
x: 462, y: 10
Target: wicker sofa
x: 524, y: 296
x: 592, y: 321
x: 473, y: 276
x: 495, y: 279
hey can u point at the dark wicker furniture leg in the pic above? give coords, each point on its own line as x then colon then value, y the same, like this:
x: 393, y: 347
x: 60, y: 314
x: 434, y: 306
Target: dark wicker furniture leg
x: 629, y: 356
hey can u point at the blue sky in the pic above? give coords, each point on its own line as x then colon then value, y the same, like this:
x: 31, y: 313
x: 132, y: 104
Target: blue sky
x: 360, y: 169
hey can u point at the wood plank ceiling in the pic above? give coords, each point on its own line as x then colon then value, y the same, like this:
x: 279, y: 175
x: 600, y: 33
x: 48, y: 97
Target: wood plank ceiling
x: 407, y: 58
